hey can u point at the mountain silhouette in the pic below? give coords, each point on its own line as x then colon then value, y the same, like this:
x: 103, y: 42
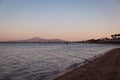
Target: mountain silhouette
x: 38, y: 39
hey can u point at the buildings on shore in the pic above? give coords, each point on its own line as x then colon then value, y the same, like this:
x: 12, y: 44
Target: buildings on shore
x: 114, y: 39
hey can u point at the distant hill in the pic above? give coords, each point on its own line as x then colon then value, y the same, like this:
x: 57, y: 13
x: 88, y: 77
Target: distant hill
x: 38, y: 39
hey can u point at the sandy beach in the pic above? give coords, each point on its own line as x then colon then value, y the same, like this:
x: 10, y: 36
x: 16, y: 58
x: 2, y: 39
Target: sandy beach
x: 106, y: 67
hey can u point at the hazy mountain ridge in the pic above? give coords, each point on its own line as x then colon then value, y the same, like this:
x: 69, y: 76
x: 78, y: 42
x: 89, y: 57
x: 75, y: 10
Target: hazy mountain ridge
x: 38, y: 39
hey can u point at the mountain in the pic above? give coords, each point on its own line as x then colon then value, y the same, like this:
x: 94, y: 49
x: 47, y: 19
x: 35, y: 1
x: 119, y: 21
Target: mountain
x: 38, y: 39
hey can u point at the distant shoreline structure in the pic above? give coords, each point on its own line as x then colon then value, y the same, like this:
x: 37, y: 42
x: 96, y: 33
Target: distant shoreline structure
x: 114, y: 39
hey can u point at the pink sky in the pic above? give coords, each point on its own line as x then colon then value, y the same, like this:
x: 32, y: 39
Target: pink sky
x: 72, y: 20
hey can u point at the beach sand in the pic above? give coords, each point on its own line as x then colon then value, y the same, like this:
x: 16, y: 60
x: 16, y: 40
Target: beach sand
x: 106, y: 67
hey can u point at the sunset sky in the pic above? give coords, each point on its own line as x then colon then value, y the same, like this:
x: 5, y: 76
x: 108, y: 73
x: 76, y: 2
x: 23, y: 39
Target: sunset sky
x: 64, y: 19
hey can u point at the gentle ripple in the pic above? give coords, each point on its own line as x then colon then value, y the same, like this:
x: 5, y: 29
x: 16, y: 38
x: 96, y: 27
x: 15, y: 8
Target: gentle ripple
x: 37, y: 61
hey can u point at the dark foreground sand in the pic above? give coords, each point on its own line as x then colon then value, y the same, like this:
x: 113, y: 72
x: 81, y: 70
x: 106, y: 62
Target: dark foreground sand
x: 106, y: 67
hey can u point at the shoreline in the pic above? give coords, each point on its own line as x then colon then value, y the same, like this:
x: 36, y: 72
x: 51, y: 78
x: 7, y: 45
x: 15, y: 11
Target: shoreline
x: 105, y: 67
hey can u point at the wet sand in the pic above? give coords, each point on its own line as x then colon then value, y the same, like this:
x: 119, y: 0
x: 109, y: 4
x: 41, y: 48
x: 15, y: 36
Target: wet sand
x: 106, y: 67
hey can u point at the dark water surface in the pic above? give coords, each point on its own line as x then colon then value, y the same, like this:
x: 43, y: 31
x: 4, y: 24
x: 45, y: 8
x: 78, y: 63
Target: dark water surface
x: 36, y: 61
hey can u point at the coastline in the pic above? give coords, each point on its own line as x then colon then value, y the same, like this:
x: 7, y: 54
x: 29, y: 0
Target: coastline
x: 105, y: 67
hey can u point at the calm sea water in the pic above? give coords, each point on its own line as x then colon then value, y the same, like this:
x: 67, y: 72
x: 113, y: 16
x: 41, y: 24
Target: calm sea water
x: 35, y: 61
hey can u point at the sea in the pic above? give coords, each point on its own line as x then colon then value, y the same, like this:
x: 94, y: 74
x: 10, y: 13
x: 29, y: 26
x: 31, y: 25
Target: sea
x: 45, y: 61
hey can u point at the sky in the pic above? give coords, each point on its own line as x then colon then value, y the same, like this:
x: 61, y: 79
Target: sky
x: 71, y: 20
